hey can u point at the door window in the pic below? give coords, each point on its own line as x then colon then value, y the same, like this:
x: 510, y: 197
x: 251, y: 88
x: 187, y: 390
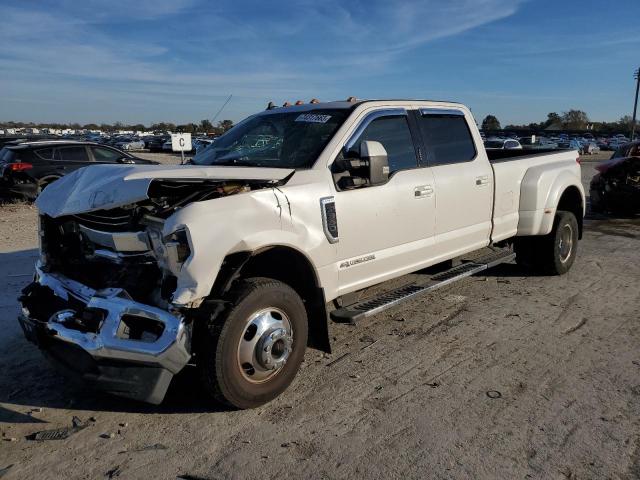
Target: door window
x: 101, y: 154
x: 73, y: 154
x: 394, y: 135
x: 45, y: 153
x: 447, y: 139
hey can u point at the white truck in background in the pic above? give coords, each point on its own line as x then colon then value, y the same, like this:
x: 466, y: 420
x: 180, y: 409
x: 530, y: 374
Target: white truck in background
x: 237, y: 262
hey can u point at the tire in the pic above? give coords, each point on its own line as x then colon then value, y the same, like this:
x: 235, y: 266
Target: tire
x: 232, y: 370
x: 552, y: 254
x: 42, y: 184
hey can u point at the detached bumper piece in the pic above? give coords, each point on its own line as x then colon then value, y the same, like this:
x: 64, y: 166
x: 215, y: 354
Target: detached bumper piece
x: 121, y: 346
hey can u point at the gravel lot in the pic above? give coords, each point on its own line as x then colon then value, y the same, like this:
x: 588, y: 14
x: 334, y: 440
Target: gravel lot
x: 499, y: 376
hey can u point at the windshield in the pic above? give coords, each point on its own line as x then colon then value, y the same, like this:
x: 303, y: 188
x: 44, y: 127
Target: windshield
x: 277, y: 140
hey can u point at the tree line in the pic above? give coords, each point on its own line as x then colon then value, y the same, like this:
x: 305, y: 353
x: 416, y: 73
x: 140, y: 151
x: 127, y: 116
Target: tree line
x: 572, y: 120
x: 204, y: 126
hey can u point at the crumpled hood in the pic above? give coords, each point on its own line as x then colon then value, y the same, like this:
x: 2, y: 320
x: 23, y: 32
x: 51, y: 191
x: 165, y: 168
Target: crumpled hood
x: 101, y: 187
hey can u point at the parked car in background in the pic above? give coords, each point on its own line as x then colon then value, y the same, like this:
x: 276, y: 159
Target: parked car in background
x: 156, y: 143
x: 29, y: 167
x: 130, y: 144
x: 616, y: 186
x: 616, y: 143
x: 631, y: 149
x: 502, y: 143
x: 537, y: 143
x: 199, y: 144
x: 590, y: 148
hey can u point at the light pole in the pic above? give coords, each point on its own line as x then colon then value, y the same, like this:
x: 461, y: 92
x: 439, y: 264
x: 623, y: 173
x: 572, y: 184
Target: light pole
x: 636, y: 75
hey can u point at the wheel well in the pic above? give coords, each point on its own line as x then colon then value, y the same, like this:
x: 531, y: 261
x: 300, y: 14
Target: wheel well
x: 571, y: 201
x: 293, y: 268
x: 48, y: 179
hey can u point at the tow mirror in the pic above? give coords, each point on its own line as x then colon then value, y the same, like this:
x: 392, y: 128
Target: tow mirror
x: 376, y: 158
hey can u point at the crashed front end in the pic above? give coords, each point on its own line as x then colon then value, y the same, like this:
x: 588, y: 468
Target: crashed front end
x: 103, y: 305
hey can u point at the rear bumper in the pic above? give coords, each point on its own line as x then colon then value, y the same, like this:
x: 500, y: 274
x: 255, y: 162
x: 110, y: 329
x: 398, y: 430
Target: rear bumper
x: 23, y: 189
x: 89, y: 334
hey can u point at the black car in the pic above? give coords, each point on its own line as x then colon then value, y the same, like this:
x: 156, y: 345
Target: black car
x: 27, y: 168
x: 155, y: 144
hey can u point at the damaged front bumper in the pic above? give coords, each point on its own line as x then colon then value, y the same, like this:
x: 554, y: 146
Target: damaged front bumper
x: 121, y: 346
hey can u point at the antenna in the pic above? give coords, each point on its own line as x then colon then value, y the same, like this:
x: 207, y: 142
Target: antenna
x: 221, y: 108
x: 636, y: 76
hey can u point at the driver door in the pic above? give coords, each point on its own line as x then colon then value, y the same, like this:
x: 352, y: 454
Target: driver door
x: 385, y: 230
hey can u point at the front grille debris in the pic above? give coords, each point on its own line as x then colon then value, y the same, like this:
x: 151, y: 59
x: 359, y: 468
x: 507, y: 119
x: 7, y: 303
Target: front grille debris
x: 60, y: 433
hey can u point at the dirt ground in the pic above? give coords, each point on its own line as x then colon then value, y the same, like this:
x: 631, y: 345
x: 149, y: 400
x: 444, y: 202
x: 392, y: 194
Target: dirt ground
x: 502, y: 375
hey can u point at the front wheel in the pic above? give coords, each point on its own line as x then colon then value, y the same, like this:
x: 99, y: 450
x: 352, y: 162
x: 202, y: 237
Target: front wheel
x: 253, y: 352
x: 554, y: 253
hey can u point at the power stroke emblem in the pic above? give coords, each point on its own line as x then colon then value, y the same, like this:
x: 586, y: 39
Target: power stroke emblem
x: 356, y: 261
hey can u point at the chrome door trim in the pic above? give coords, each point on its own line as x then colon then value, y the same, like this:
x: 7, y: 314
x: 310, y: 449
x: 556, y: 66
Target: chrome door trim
x: 441, y: 111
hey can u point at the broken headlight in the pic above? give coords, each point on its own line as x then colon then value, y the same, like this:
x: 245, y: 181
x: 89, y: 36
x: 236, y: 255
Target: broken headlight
x: 177, y: 245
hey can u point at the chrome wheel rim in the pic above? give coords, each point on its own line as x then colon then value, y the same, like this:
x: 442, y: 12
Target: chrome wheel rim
x: 265, y: 345
x: 565, y: 243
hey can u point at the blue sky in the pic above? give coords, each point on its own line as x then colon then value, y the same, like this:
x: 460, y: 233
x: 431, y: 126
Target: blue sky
x: 178, y: 60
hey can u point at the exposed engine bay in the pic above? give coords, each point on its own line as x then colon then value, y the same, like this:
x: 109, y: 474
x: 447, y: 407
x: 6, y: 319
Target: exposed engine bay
x: 124, y: 247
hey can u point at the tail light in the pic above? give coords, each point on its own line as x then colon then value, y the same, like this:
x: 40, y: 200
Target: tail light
x: 578, y: 160
x: 19, y: 166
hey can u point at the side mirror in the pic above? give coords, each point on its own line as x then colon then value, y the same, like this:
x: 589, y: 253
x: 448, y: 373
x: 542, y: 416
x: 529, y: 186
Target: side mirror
x: 375, y: 156
x: 126, y: 160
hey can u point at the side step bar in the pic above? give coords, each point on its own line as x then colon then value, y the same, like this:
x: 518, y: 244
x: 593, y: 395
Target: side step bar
x: 371, y: 306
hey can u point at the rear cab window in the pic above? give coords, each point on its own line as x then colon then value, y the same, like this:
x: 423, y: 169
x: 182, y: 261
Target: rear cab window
x: 446, y: 136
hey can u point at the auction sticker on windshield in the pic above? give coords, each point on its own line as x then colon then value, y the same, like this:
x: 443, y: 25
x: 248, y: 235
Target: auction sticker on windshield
x: 313, y: 118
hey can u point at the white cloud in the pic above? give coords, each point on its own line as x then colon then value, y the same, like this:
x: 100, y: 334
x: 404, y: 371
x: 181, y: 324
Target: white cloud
x: 242, y: 49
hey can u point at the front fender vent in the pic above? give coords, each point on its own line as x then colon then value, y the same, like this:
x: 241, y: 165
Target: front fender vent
x: 329, y: 218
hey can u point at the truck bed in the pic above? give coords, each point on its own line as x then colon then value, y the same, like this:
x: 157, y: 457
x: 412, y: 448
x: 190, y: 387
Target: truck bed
x: 522, y: 180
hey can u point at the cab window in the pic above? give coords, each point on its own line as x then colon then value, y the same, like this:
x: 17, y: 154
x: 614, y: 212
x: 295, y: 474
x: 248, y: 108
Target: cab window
x: 447, y: 139
x: 394, y: 135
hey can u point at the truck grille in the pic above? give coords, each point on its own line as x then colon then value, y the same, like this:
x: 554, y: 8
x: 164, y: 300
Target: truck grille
x: 71, y: 251
x: 114, y: 220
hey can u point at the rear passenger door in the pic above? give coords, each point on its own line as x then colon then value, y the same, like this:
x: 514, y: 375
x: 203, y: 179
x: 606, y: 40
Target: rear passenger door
x: 71, y: 158
x: 463, y: 182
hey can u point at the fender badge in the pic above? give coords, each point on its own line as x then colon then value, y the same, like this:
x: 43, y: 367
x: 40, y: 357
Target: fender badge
x: 356, y: 261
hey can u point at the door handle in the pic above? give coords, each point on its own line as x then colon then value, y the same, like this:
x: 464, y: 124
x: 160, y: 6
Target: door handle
x: 422, y: 191
x: 483, y: 180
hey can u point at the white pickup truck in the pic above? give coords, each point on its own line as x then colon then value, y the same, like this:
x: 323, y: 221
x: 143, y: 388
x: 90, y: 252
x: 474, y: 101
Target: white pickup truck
x: 237, y: 262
